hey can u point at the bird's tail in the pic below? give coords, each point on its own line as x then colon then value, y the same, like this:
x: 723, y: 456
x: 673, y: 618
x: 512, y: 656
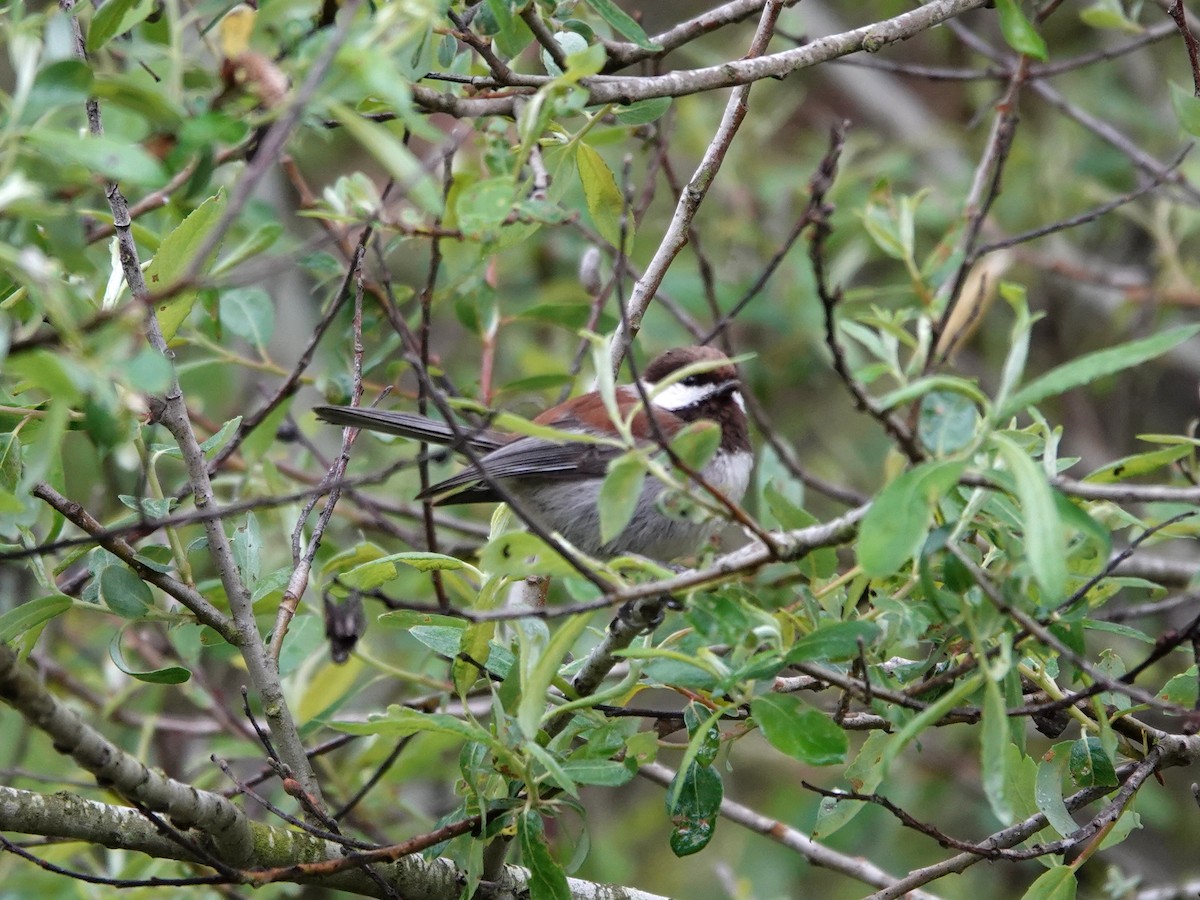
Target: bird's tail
x: 409, y: 425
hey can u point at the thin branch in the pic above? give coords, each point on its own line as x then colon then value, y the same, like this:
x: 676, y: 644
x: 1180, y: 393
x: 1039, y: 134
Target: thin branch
x: 1179, y: 15
x: 782, y: 833
x: 831, y: 298
x: 192, y: 599
x: 1178, y: 751
x: 621, y: 55
x: 691, y: 197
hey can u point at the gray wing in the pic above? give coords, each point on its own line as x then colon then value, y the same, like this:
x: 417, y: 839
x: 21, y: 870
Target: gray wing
x: 409, y: 425
x: 526, y: 456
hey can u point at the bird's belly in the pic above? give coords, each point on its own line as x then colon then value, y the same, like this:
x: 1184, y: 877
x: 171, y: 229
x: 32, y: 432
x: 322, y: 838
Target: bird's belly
x: 570, y: 508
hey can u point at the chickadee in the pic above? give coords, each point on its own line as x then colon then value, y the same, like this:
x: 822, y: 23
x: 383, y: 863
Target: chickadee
x: 558, y: 483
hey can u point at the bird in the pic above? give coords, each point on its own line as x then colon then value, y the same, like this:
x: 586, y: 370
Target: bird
x: 557, y: 483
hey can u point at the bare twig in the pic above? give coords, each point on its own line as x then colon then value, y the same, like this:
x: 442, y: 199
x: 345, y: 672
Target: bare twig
x: 692, y: 196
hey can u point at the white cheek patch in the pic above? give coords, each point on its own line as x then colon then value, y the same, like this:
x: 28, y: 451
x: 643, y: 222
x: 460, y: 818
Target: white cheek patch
x: 680, y: 396
x: 736, y: 396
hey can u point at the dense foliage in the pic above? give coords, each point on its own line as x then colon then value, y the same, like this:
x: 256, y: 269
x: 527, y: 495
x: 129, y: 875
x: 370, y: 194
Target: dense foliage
x: 953, y: 621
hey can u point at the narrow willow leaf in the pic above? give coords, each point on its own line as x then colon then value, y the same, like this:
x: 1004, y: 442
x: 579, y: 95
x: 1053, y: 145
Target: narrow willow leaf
x: 547, y: 880
x: 643, y: 111
x: 993, y: 753
x: 1058, y: 883
x: 1095, y: 365
x: 1045, y: 538
x: 536, y: 679
x: 794, y: 728
x: 399, y: 721
x: 619, y: 494
x: 694, y: 800
x: 1048, y: 789
x: 623, y: 23
x: 175, y: 256
x: 604, y: 201
x: 834, y: 642
x: 895, y: 526
x: 1139, y: 464
x: 865, y: 775
x: 116, y: 17
x: 31, y: 614
x: 1187, y: 109
x: 1018, y: 31
x: 164, y: 675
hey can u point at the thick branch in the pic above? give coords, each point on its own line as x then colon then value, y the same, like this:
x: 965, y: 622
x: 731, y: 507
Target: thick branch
x: 66, y: 815
x: 188, y: 807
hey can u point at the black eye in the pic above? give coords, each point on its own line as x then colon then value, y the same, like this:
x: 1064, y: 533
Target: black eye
x: 690, y: 381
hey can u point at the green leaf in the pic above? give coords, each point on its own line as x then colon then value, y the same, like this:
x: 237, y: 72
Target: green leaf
x: 116, y: 17
x: 390, y: 152
x: 165, y: 675
x: 604, y: 772
x: 883, y: 230
x: 1090, y: 766
x: 11, y: 465
x: 149, y: 371
x: 1109, y: 14
x: 110, y: 157
x: 1018, y: 353
x: 1187, y: 108
x: 404, y: 619
x: 400, y: 721
x: 486, y: 206
x: 31, y: 614
x: 1047, y: 789
x: 895, y: 526
x: 697, y: 795
x: 547, y: 880
x: 643, y: 111
x: 1018, y: 31
x: 619, y: 494
x: 1095, y: 365
x: 704, y: 733
x: 261, y: 239
x: 1181, y: 690
x: 696, y: 443
x: 571, y: 44
x: 538, y: 670
x: 993, y: 753
x: 444, y: 639
x: 1058, y: 883
x: 64, y: 83
x: 424, y: 561
x: 247, y: 547
x: 175, y: 255
x: 864, y: 775
x: 834, y: 642
x: 1139, y: 464
x: 249, y: 314
x: 519, y: 553
x: 605, y: 204
x: 948, y: 422
x: 124, y: 593
x: 794, y: 728
x: 623, y: 23
x: 1045, y: 540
